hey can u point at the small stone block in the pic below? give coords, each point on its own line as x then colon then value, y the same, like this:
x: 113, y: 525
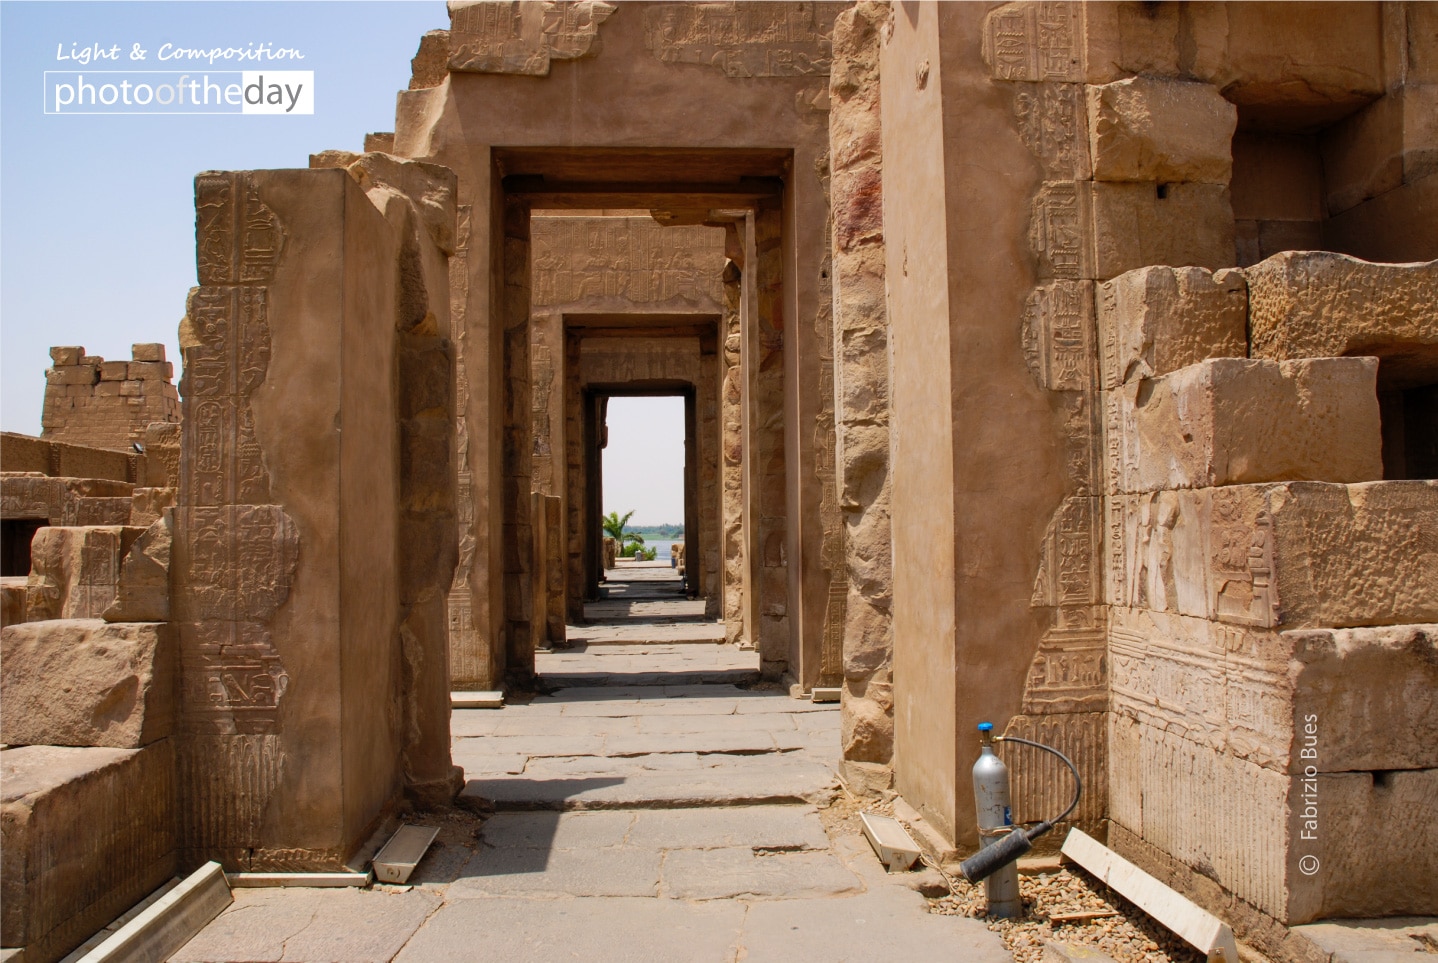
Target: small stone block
x: 151, y: 371
x: 147, y: 352
x: 825, y: 694
x: 93, y: 359
x: 66, y: 354
x: 476, y: 700
x: 113, y: 370
x: 402, y: 853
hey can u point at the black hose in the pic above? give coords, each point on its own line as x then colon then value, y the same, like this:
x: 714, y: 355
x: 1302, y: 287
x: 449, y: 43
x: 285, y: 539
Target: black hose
x: 1078, y: 783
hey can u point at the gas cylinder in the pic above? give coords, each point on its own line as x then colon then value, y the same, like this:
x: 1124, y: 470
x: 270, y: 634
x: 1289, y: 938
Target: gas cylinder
x: 991, y: 799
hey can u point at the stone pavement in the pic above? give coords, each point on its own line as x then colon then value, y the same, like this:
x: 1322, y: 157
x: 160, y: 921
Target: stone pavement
x: 637, y: 823
x: 644, y: 602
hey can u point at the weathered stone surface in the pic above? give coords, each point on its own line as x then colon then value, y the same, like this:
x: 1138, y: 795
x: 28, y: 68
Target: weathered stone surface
x: 732, y: 872
x: 1149, y: 129
x: 148, y: 505
x: 519, y: 38
x: 1370, y: 695
x: 84, y: 835
x: 1232, y: 421
x: 84, y: 682
x: 75, y: 571
x: 1311, y: 304
x: 142, y: 592
x: 285, y: 924
x: 1299, y: 554
x: 1155, y: 320
x: 1180, y: 224
x: 12, y: 600
x: 430, y: 187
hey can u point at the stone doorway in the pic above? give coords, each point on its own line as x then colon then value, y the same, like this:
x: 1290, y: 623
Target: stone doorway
x: 764, y: 522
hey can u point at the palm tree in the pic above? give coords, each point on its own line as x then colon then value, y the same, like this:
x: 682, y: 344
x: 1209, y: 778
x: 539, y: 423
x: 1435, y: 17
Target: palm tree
x: 614, y: 528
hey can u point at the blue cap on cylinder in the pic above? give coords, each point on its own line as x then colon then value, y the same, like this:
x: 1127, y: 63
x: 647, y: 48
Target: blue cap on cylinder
x: 986, y: 727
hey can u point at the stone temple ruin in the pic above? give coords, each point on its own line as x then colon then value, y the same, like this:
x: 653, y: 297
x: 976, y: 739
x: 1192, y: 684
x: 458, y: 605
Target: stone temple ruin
x: 1068, y: 365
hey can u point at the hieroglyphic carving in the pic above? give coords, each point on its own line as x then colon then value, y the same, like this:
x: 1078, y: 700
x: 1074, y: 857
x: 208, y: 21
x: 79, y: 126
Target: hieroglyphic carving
x: 1068, y: 566
x: 1058, y: 229
x: 744, y: 39
x: 1058, y: 335
x: 227, y: 362
x: 226, y: 822
x: 238, y: 239
x: 1082, y: 458
x: 1033, y: 41
x: 1241, y: 563
x: 1053, y: 126
x: 235, y: 552
x: 631, y: 258
x: 512, y: 37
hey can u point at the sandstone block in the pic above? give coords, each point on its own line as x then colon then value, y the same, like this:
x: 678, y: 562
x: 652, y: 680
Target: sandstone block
x: 1365, y: 699
x: 66, y: 355
x: 142, y: 593
x: 113, y: 371
x: 1136, y: 225
x: 150, y: 371
x: 1312, y: 304
x: 431, y: 188
x: 148, y: 352
x: 84, y: 682
x: 84, y: 835
x: 91, y: 359
x: 379, y: 141
x: 74, y: 571
x: 148, y: 505
x: 1151, y: 129
x: 1295, y: 555
x: 1232, y: 421
x: 80, y: 374
x: 1154, y: 320
x: 12, y: 600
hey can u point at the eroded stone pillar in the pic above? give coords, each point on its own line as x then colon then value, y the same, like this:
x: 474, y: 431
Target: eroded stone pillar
x: 287, y: 529
x: 861, y: 395
x: 517, y: 547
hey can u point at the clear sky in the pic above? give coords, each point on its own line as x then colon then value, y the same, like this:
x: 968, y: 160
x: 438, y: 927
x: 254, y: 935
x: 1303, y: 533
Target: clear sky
x: 644, y: 461
x: 97, y: 219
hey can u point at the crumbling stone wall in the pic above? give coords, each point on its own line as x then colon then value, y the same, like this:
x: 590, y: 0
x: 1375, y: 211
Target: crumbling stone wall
x: 107, y: 404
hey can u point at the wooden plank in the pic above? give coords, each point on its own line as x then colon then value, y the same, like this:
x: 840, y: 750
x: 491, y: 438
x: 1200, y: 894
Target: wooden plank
x: 170, y: 922
x: 1186, y: 918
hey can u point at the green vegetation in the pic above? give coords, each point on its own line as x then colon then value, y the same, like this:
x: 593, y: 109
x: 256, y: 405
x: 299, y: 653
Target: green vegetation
x: 631, y: 540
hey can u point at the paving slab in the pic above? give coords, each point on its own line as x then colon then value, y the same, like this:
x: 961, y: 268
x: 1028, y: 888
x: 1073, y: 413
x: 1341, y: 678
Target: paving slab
x: 863, y: 929
x: 554, y: 830
x: 592, y: 930
x: 311, y: 925
x: 760, y: 780
x: 475, y: 761
x: 734, y: 872
x: 1373, y: 941
x: 756, y: 827
x: 705, y: 722
x: 554, y: 873
x: 715, y: 739
x: 628, y: 766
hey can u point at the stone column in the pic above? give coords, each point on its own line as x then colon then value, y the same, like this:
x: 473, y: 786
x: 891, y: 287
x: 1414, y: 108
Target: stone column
x: 516, y: 549
x: 861, y: 395
x: 287, y: 529
x: 734, y: 542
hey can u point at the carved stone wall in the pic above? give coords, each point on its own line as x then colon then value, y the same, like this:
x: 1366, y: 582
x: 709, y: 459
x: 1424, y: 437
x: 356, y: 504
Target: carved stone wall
x: 286, y: 760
